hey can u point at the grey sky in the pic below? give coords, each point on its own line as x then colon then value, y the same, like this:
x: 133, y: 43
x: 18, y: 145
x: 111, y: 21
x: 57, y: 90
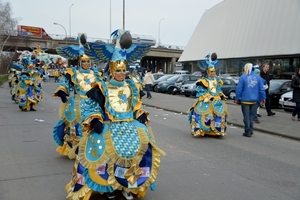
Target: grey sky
x: 93, y: 17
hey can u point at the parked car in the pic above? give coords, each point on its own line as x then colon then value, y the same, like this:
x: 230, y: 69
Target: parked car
x: 277, y: 88
x: 163, y: 78
x: 157, y: 76
x: 197, y: 73
x: 169, y: 85
x: 182, y: 72
x: 286, y: 101
x: 234, y: 77
x: 228, y: 88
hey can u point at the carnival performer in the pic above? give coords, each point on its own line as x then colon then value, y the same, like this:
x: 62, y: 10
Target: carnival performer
x: 17, y: 68
x: 208, y: 114
x: 11, y: 74
x: 27, y: 88
x: 117, y: 150
x: 68, y: 131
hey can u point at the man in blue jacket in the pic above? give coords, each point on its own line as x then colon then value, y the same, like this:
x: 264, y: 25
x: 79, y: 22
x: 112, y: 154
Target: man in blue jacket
x: 249, y: 91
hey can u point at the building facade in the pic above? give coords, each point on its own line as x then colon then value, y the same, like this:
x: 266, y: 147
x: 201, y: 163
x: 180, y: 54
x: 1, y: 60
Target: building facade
x: 242, y: 31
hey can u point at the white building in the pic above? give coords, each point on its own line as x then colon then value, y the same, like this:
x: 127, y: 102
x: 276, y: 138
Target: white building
x: 241, y: 31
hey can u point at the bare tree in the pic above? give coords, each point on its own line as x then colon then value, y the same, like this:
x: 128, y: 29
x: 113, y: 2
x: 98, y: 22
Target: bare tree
x: 8, y: 27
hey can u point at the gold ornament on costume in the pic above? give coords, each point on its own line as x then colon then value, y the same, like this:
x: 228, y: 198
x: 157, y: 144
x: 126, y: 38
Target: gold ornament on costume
x: 85, y: 58
x: 117, y: 66
x: 133, y: 173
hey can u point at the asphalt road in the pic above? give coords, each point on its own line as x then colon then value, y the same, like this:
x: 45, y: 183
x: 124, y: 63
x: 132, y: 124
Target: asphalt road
x: 263, y: 167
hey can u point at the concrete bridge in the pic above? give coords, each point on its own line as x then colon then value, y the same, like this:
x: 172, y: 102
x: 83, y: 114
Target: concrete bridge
x: 156, y: 58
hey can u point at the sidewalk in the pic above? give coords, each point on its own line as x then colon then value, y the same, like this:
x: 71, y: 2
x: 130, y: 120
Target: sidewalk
x: 279, y: 124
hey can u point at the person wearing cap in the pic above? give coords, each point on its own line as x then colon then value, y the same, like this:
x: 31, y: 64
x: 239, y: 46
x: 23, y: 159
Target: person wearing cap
x: 258, y: 104
x: 117, y: 151
x: 249, y: 91
x: 208, y: 114
x: 68, y: 131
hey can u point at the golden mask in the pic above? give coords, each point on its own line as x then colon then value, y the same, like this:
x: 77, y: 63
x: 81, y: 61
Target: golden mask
x: 117, y: 66
x: 85, y: 59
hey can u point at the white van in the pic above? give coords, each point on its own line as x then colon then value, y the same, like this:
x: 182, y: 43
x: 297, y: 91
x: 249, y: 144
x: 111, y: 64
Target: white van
x: 182, y: 72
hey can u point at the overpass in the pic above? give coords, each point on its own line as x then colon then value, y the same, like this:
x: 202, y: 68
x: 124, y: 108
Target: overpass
x: 156, y: 58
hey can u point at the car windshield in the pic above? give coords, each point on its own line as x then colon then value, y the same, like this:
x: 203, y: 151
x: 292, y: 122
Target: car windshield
x: 275, y: 84
x: 173, y: 78
x: 165, y: 77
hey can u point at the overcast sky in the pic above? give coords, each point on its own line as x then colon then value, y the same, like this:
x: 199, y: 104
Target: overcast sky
x: 144, y: 17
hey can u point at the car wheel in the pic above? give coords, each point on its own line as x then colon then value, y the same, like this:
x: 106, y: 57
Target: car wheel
x: 170, y: 90
x: 187, y: 95
x: 287, y: 110
x: 155, y: 88
x: 231, y: 95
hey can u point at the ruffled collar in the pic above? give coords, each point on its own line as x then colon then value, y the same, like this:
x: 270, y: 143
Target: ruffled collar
x: 116, y: 83
x: 84, y: 70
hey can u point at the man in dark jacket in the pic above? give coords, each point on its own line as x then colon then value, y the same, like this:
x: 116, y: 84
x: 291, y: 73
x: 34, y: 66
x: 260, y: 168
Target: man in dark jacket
x: 265, y: 75
x: 296, y: 95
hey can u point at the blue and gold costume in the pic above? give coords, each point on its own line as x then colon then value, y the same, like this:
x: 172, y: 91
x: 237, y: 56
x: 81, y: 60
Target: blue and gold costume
x: 68, y: 130
x: 123, y: 155
x: 208, y: 114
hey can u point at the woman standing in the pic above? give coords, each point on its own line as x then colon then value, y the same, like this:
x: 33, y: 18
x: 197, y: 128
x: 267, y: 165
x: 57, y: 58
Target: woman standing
x: 296, y: 95
x: 148, y: 80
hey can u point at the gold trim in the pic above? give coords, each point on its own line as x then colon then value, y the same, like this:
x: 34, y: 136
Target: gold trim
x: 84, y: 193
x: 141, y: 190
x: 84, y: 161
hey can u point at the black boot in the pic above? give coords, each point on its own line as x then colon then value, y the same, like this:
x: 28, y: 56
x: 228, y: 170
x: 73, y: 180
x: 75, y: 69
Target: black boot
x: 31, y: 108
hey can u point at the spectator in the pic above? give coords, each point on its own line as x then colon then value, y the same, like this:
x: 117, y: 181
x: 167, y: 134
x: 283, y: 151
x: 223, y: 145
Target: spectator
x: 265, y: 75
x: 255, y: 118
x: 160, y: 71
x: 296, y: 95
x: 249, y: 91
x: 148, y: 81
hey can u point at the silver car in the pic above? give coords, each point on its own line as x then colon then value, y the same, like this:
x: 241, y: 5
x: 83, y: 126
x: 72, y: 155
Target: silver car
x: 286, y: 102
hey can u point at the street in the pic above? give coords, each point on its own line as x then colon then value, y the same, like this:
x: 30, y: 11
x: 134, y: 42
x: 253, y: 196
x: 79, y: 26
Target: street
x: 263, y: 167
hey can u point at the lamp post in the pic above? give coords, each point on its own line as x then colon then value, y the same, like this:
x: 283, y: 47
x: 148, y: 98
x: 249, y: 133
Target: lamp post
x: 159, y: 31
x: 70, y: 20
x: 109, y: 19
x: 123, y: 14
x: 55, y: 23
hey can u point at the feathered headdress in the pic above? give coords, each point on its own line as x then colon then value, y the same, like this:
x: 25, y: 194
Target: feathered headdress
x: 117, y: 54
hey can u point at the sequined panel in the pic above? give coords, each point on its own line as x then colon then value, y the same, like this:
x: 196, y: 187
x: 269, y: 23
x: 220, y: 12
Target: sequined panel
x: 125, y: 138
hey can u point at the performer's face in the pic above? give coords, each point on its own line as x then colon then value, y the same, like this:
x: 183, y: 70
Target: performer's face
x: 211, y: 72
x: 85, y: 64
x: 119, y: 75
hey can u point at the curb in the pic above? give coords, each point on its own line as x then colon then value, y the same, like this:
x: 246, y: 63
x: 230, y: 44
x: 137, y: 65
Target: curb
x: 232, y: 123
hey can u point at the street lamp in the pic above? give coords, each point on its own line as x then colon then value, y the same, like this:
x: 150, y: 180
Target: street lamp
x: 70, y: 20
x: 55, y: 23
x: 109, y: 19
x: 123, y: 14
x: 159, y: 31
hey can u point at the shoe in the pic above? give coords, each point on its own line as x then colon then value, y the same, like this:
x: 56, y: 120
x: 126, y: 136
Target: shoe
x: 271, y: 113
x: 150, y: 97
x: 256, y: 121
x: 258, y: 115
x: 110, y: 196
x: 246, y: 135
x: 31, y: 109
x: 293, y: 118
x: 128, y: 196
x: 251, y: 133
